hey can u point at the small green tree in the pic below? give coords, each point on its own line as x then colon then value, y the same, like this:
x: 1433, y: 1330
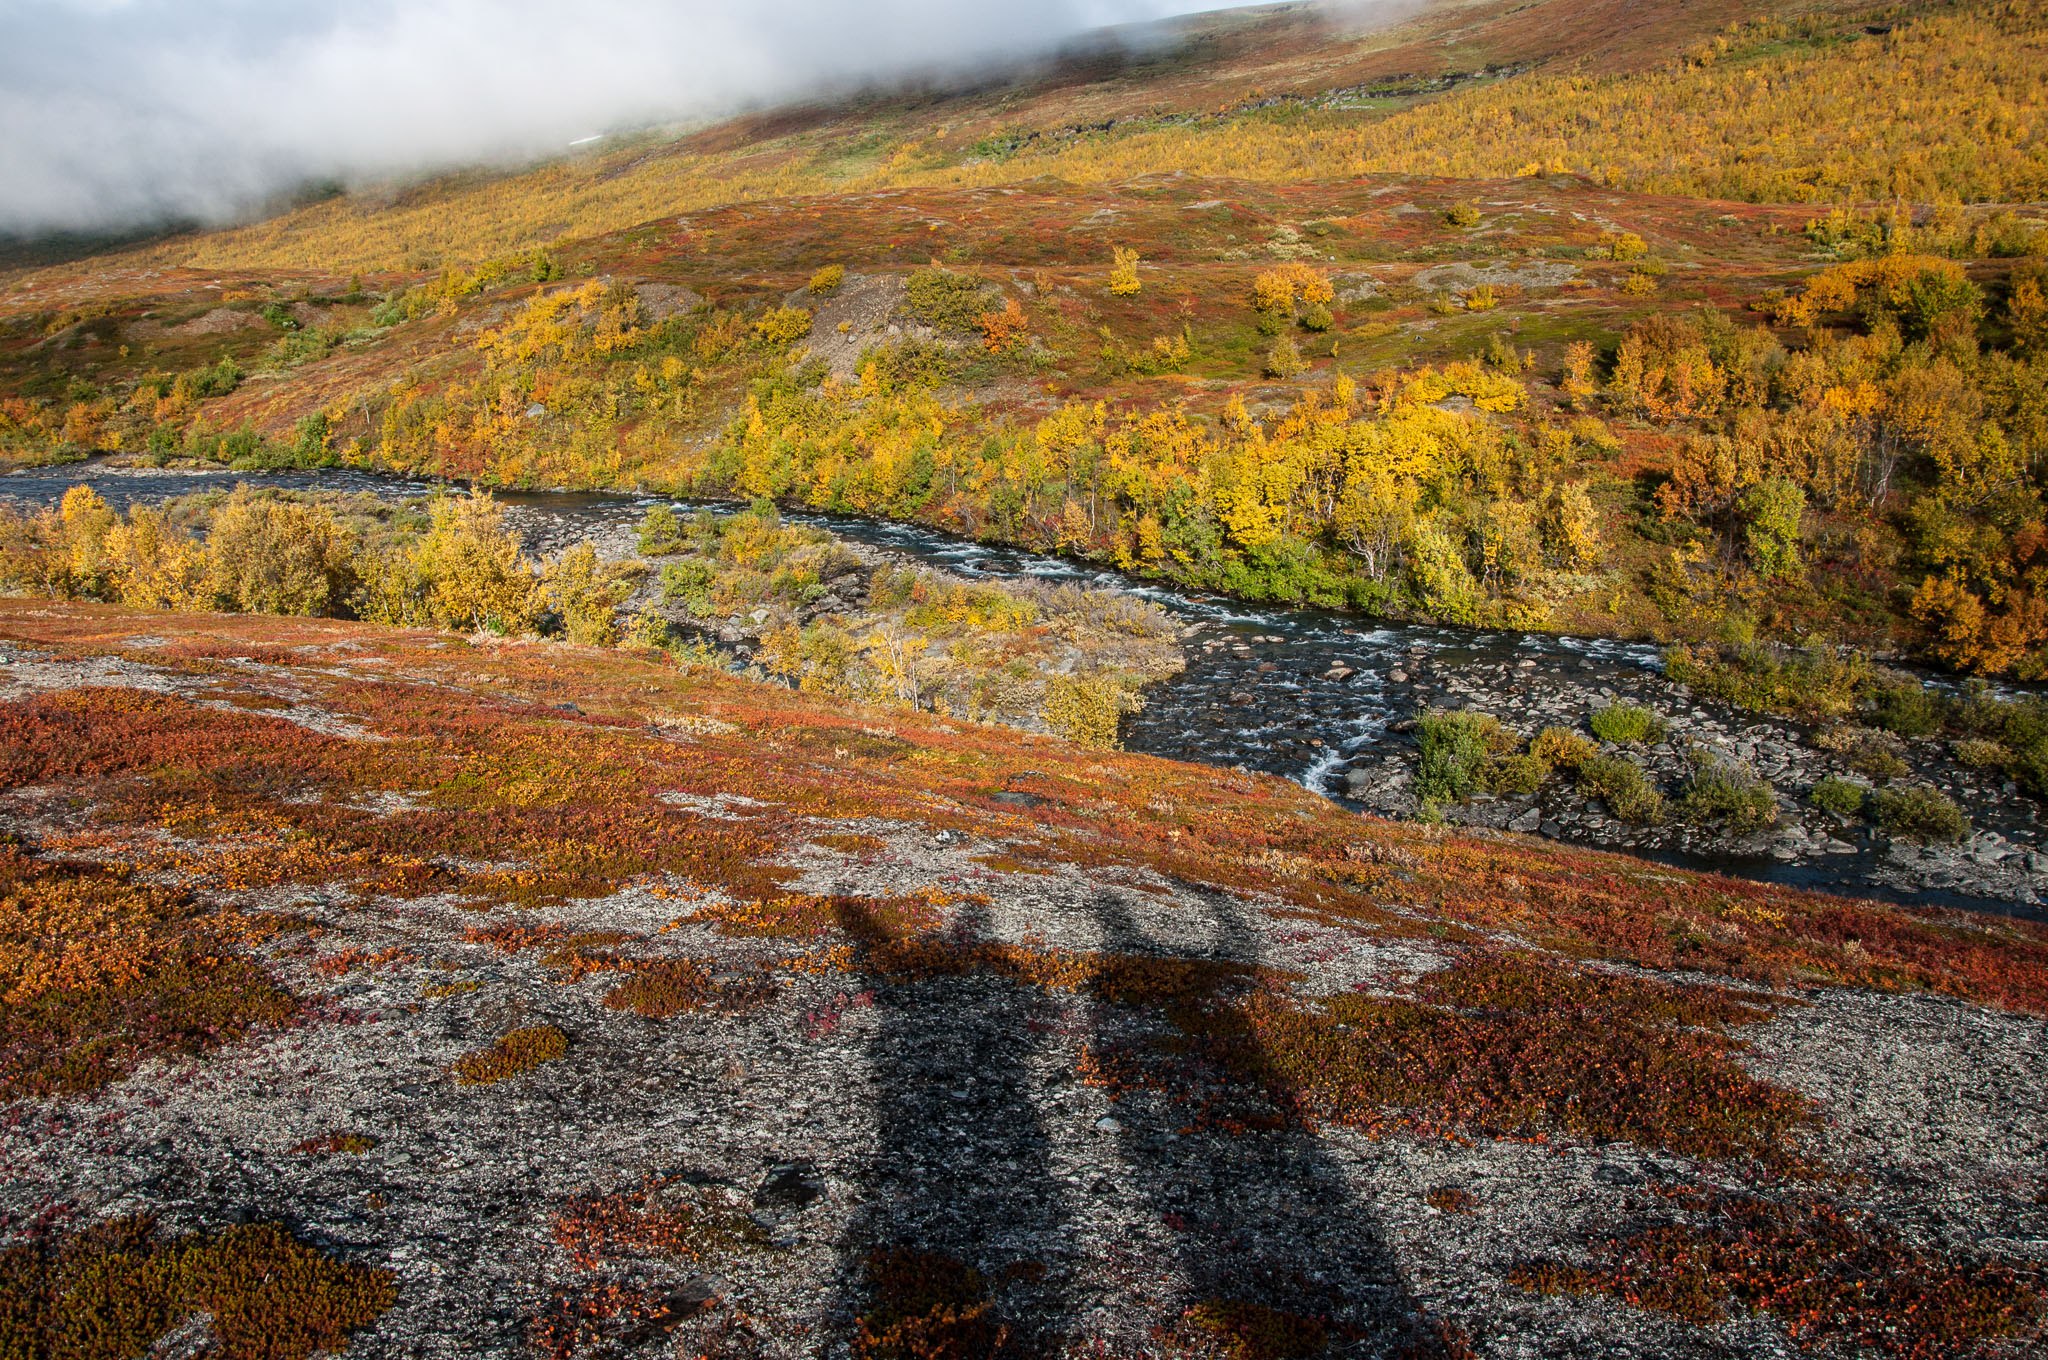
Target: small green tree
x: 1770, y: 512
x: 1283, y: 359
x: 586, y: 596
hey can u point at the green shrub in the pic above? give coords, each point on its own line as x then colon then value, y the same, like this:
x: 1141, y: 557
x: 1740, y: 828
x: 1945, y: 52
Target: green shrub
x: 1875, y: 757
x: 1978, y: 753
x: 1455, y: 747
x: 650, y: 629
x: 781, y: 325
x: 1726, y: 792
x: 587, y: 593
x: 1909, y: 709
x: 2018, y: 725
x: 268, y: 555
x: 1770, y: 512
x: 1810, y: 682
x: 661, y: 532
x: 465, y: 572
x: 1088, y: 709
x: 1627, y: 791
x: 1524, y: 773
x: 1462, y: 215
x: 828, y: 279
x: 1836, y: 795
x: 1562, y: 747
x: 688, y: 583
x: 1919, y: 813
x: 1626, y: 722
x: 1283, y: 359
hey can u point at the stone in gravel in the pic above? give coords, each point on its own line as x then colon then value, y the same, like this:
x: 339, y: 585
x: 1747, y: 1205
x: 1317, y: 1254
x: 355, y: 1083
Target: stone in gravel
x: 791, y: 1185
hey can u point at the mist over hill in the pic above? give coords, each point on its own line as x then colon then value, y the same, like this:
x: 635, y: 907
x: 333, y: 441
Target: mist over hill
x: 138, y: 111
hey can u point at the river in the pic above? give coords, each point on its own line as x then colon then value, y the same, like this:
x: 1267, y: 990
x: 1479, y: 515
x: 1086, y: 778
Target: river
x: 1310, y: 695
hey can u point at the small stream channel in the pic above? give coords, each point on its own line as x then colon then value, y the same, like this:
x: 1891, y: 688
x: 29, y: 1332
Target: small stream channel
x: 1315, y: 696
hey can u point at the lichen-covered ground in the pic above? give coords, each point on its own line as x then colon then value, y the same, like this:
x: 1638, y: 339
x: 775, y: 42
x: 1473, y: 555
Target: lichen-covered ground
x: 395, y: 992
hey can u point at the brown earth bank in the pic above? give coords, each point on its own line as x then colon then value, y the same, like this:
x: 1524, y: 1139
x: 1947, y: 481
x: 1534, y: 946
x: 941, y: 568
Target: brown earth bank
x: 402, y: 993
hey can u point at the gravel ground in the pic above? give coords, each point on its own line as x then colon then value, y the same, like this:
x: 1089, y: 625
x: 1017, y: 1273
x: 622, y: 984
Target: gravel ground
x: 851, y: 1111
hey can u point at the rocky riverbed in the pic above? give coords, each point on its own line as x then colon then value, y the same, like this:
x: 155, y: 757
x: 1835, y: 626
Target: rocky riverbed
x: 1332, y: 705
x: 1999, y: 865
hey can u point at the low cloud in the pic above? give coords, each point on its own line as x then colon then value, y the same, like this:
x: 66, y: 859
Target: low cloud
x: 115, y: 113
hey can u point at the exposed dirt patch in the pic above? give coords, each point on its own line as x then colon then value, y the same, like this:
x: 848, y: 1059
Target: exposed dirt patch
x: 1498, y: 273
x: 855, y: 316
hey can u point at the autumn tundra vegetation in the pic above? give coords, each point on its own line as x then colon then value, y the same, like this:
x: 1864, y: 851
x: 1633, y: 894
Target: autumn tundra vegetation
x: 409, y: 937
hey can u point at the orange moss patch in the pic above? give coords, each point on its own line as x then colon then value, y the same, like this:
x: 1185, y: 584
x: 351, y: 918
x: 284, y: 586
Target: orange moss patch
x: 1382, y: 1064
x: 850, y: 843
x: 340, y: 965
x: 354, y: 1144
x: 801, y: 915
x: 1831, y: 1275
x: 113, y: 1291
x: 660, y: 988
x: 595, y: 1315
x: 510, y: 937
x: 1127, y: 979
x: 925, y: 1306
x: 1250, y: 1331
x: 99, y: 971
x: 657, y: 988
x: 1602, y: 906
x: 1508, y: 983
x: 661, y: 1218
x: 1009, y: 864
x: 522, y: 1050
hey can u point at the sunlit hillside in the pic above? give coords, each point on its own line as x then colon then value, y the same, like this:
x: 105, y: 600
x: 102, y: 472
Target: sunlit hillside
x: 1675, y: 322
x: 1753, y: 101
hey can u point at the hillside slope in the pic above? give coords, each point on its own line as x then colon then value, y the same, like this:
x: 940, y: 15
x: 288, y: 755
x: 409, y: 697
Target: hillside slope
x: 1603, y: 335
x: 549, y: 997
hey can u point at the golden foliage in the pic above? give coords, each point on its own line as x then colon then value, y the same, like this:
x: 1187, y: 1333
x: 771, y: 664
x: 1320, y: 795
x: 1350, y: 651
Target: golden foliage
x: 1123, y: 274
